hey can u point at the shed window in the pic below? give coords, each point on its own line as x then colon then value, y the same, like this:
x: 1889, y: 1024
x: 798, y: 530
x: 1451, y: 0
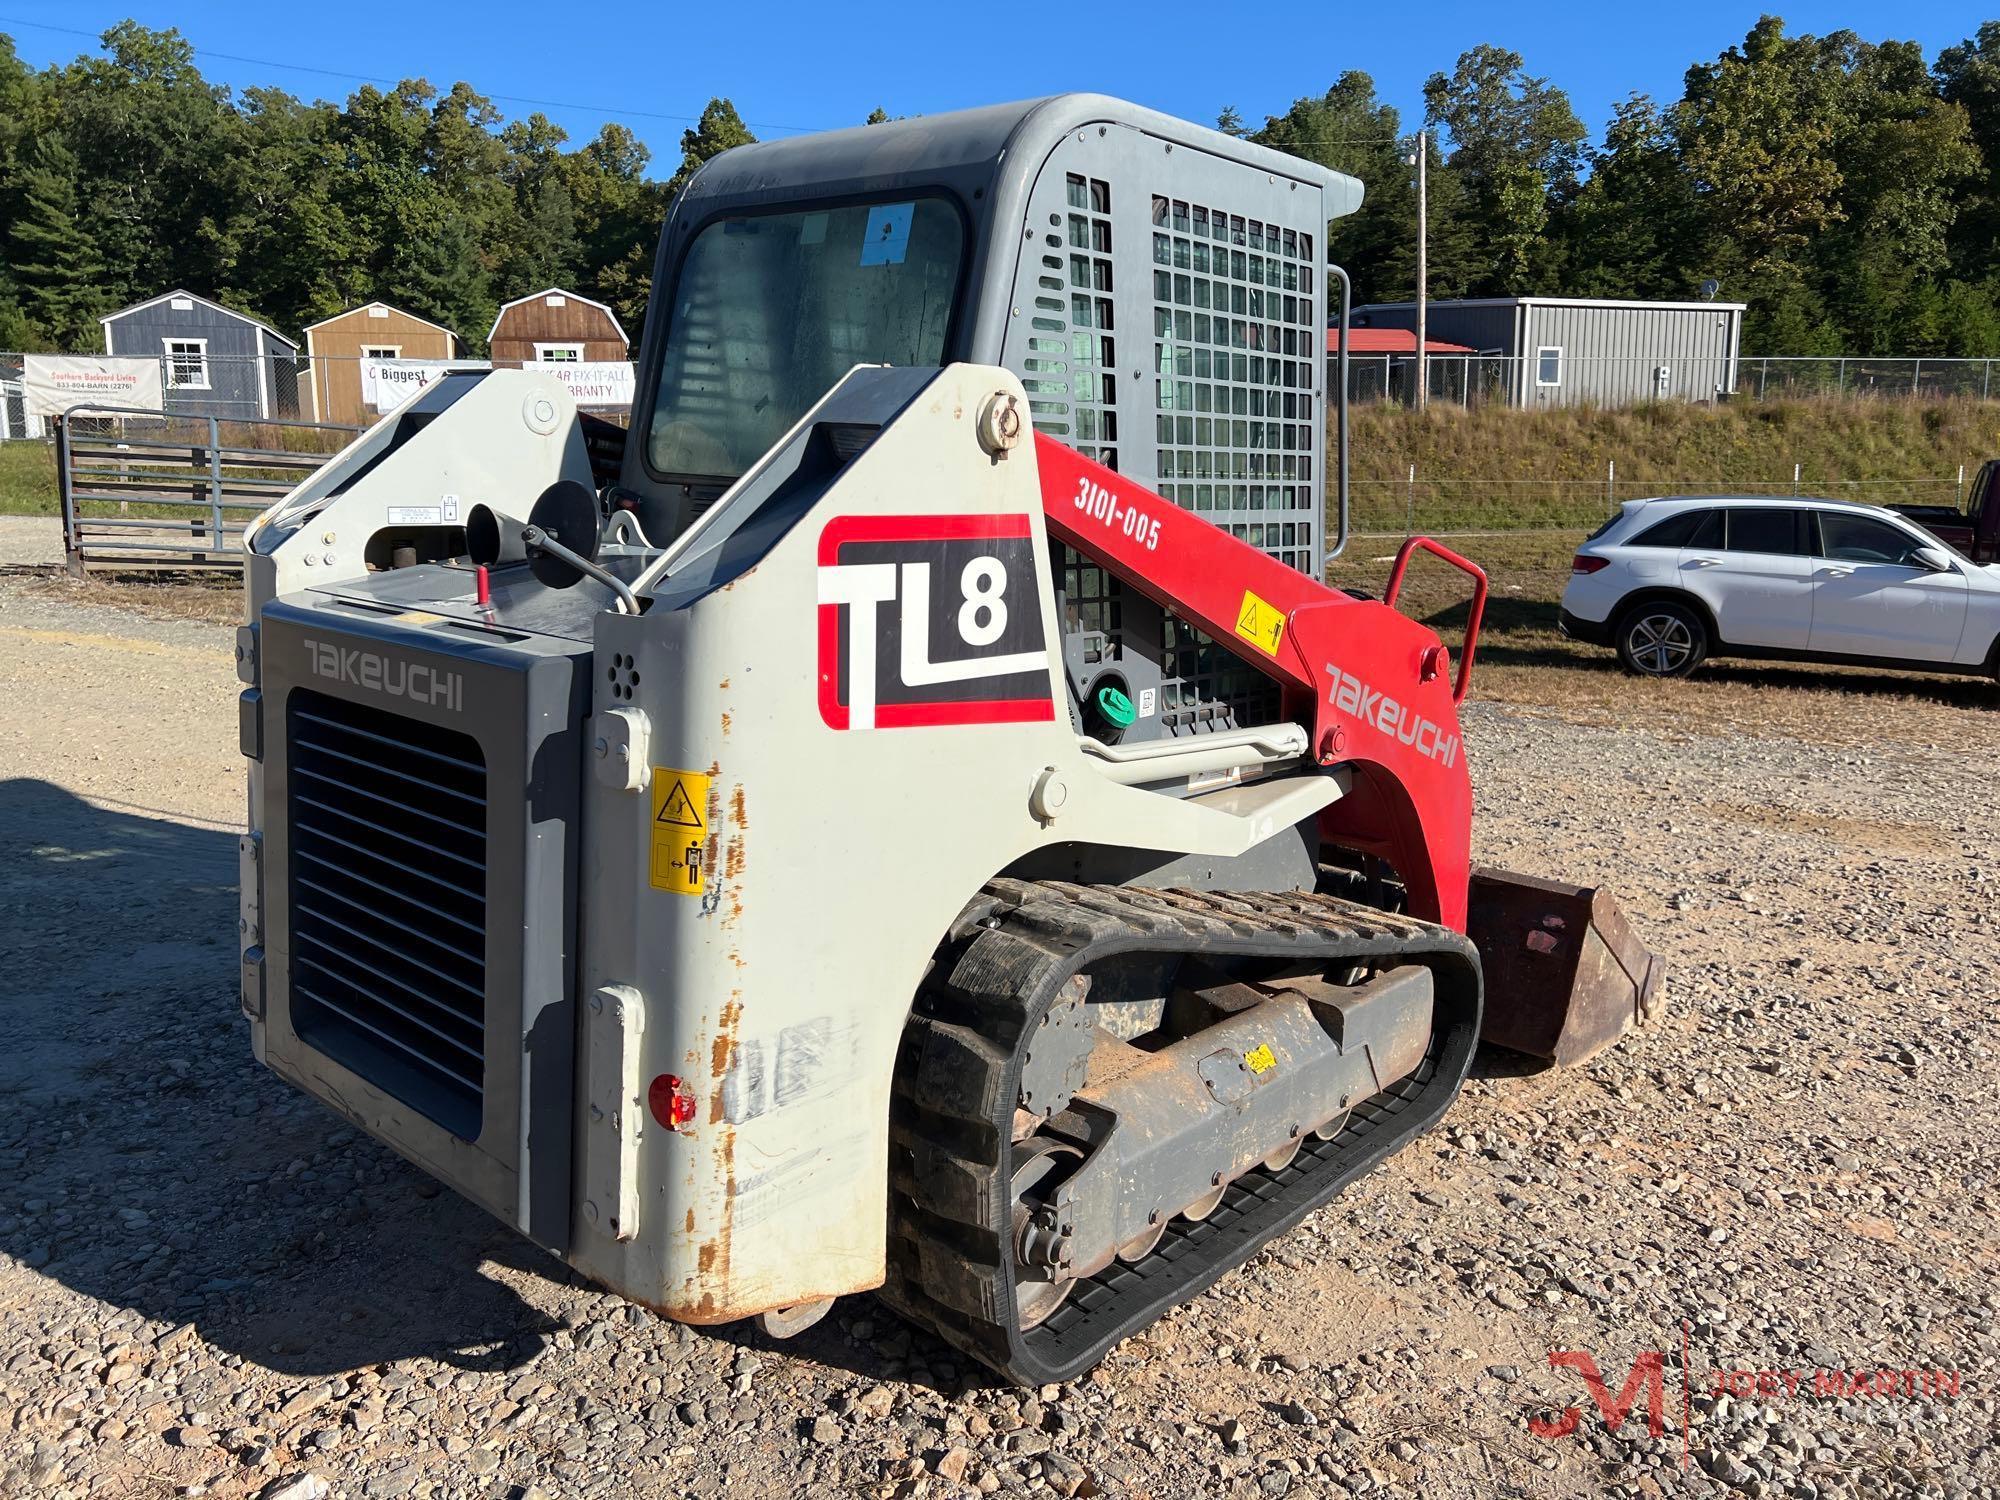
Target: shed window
x: 1549, y: 365
x: 567, y: 353
x: 381, y: 351
x: 187, y: 364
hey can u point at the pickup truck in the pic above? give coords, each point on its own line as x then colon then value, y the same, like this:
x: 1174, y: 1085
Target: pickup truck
x: 1975, y: 531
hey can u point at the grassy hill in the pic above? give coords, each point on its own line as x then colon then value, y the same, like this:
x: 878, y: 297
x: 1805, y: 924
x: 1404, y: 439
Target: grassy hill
x: 1498, y: 468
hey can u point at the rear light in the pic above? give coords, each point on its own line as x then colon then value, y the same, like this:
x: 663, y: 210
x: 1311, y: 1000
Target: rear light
x: 671, y: 1102
x: 1585, y: 563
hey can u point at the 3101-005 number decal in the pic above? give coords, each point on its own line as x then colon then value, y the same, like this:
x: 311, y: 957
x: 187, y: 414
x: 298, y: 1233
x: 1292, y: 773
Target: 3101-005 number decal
x: 1117, y: 513
x: 927, y: 620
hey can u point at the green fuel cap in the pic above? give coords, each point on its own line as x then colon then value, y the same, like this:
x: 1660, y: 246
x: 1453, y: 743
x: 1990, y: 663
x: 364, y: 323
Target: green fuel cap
x: 1116, y: 707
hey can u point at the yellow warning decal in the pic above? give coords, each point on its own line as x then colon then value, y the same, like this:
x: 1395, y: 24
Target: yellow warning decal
x: 1259, y: 1059
x: 416, y: 617
x: 680, y: 832
x: 1261, y: 623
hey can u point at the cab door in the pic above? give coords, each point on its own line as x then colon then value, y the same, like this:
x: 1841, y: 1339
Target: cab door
x: 1748, y: 564
x: 1872, y: 597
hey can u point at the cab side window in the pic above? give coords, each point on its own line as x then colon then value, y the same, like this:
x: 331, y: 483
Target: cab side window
x: 1866, y: 540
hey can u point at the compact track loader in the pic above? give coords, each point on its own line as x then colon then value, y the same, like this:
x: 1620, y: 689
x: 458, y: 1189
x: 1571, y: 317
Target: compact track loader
x: 907, y: 816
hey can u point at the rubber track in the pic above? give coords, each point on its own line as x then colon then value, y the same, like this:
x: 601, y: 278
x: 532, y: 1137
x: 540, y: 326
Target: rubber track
x: 950, y: 1263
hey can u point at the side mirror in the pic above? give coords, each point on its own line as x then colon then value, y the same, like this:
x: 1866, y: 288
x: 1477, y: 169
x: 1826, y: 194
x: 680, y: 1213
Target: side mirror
x: 1934, y: 558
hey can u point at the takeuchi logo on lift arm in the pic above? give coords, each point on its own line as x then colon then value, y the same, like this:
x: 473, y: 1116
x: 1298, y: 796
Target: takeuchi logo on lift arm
x: 1377, y: 709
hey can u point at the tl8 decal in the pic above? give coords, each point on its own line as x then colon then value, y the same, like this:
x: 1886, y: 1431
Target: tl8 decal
x: 930, y: 620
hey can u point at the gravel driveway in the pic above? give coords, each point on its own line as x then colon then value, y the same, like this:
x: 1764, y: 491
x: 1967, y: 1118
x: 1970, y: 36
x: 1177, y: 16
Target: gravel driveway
x: 209, y: 1285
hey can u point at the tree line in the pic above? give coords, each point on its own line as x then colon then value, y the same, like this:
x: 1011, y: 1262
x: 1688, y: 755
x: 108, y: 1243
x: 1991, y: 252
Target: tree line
x: 1848, y: 191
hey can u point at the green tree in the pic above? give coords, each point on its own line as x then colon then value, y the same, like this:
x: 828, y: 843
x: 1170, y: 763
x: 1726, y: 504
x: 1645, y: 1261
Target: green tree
x: 1628, y: 228
x: 54, y: 265
x: 1968, y: 75
x: 720, y: 129
x: 1516, y: 148
x: 1350, y: 130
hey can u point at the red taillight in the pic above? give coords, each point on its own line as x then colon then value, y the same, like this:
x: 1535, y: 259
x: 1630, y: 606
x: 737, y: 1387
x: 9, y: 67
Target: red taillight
x: 1585, y: 563
x: 670, y: 1101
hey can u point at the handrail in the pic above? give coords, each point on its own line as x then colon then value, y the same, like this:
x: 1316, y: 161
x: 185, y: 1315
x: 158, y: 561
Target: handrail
x: 1463, y: 564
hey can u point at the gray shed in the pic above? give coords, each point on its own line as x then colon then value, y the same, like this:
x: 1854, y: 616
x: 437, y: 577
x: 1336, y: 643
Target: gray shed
x: 1564, y: 351
x: 214, y: 361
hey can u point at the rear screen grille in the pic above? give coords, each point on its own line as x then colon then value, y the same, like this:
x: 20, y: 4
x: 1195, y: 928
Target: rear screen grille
x: 388, y: 902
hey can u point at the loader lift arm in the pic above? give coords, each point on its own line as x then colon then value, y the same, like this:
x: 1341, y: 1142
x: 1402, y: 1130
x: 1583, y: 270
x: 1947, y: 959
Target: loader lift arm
x: 1371, y: 686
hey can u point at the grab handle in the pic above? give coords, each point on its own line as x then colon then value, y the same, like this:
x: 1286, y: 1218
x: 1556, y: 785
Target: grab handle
x: 1464, y: 565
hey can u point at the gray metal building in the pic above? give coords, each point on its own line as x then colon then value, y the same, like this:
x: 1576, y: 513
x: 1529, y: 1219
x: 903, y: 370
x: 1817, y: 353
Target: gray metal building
x: 214, y: 361
x: 1564, y: 351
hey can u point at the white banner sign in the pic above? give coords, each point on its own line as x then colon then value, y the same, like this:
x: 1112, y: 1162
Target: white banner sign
x: 53, y: 383
x: 597, y: 383
x: 387, y: 383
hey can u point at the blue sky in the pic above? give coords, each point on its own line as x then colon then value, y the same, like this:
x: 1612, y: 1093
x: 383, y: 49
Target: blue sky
x: 789, y: 66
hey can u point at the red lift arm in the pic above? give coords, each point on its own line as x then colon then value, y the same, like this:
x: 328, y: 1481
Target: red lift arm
x: 1372, y: 686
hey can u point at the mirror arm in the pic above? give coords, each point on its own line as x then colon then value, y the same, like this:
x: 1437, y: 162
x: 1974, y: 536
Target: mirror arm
x: 539, y: 540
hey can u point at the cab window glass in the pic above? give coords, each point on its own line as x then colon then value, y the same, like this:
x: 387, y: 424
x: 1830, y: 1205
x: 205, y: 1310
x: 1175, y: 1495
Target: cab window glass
x: 770, y: 310
x: 1764, y: 530
x: 1865, y: 539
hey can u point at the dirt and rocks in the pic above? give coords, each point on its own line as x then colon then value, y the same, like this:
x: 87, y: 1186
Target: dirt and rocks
x: 209, y: 1285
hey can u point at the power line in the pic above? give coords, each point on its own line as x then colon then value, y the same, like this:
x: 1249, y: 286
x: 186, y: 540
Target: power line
x: 265, y: 62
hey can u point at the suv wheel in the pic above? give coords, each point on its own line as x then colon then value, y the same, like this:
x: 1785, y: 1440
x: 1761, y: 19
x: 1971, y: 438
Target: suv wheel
x: 1662, y: 639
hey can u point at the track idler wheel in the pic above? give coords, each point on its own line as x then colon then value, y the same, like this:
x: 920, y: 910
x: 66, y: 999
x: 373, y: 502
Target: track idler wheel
x: 1042, y: 1278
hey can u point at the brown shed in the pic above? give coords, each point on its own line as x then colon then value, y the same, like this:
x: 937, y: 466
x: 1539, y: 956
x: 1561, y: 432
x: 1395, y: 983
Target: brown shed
x: 337, y: 345
x: 556, y: 325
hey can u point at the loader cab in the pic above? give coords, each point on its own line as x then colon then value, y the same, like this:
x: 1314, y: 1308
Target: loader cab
x: 1160, y: 289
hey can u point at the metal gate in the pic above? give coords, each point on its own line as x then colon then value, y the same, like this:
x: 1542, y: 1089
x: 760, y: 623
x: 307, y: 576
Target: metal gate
x: 151, y: 489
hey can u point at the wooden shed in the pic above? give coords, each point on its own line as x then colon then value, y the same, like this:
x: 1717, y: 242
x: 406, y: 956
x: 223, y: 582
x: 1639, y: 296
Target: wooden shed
x: 214, y: 361
x: 556, y: 325
x: 336, y: 346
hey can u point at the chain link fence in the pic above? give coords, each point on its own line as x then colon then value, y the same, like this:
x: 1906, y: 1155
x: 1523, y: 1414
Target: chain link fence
x: 1519, y: 380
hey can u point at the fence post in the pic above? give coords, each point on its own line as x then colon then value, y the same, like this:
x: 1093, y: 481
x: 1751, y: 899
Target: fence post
x: 1840, y: 378
x: 1916, y: 374
x: 1411, y: 528
x: 215, y: 481
x: 71, y: 557
x: 1610, y: 484
x: 1795, y: 477
x: 1958, y: 489
x: 1986, y: 380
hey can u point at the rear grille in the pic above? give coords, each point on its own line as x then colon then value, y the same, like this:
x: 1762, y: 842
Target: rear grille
x: 388, y: 902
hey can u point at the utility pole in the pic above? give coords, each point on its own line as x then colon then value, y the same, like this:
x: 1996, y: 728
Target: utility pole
x: 1423, y: 267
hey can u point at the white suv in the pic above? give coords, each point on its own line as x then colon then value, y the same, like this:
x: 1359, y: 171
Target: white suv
x: 1669, y: 582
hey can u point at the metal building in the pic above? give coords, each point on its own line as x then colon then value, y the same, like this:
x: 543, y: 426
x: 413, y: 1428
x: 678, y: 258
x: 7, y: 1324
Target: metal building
x: 1566, y: 351
x: 214, y: 361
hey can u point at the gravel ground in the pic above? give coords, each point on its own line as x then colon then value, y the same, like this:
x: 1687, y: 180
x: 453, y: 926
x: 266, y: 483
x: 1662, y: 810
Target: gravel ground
x: 208, y: 1285
x: 34, y: 541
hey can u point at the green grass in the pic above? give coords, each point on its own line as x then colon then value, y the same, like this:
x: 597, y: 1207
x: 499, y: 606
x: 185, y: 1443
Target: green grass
x: 1494, y: 467
x: 27, y: 479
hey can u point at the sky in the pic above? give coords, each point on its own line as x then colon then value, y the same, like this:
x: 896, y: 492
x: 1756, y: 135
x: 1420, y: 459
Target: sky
x: 790, y: 66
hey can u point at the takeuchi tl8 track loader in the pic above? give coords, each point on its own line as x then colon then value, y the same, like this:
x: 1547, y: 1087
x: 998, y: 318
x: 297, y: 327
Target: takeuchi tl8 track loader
x: 909, y: 816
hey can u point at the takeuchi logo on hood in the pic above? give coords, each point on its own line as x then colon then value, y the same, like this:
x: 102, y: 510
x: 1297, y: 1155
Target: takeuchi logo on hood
x: 418, y: 681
